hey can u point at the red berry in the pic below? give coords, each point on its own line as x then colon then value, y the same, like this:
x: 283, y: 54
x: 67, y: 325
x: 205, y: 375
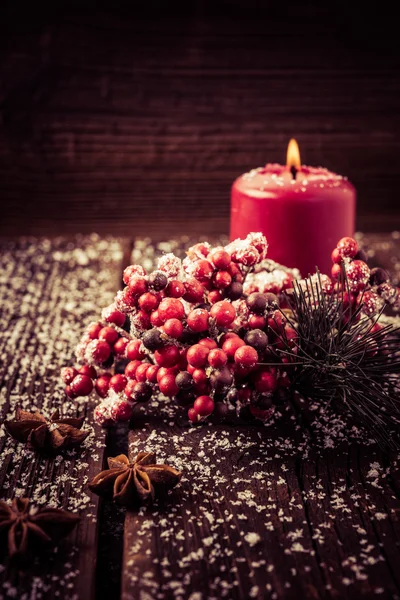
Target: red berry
x: 168, y: 386
x: 109, y: 335
x: 246, y: 356
x: 220, y: 258
x: 199, y: 376
x: 194, y: 417
x: 148, y: 301
x: 94, y: 330
x: 141, y: 372
x: 134, y: 350
x: 197, y: 355
x: 215, y: 296
x: 204, y: 406
x: 358, y: 274
x: 175, y: 289
x: 141, y: 320
x: 101, y: 351
x: 197, y: 320
x: 82, y: 385
x: 208, y: 343
x: 265, y: 381
x: 336, y: 257
x: 151, y: 373
x: 167, y: 356
x: 194, y: 291
x: 112, y: 315
x: 102, y: 385
x: 257, y: 322
x: 120, y: 346
x: 291, y: 336
x: 118, y: 382
x: 223, y: 312
x: 190, y: 369
x: 89, y: 371
x: 336, y: 271
x: 165, y: 371
x: 130, y: 369
x: 171, y: 308
x: 68, y: 374
x: 231, y: 345
x: 130, y: 388
x: 155, y: 319
x: 217, y: 358
x: 347, y: 246
x: 137, y: 285
x: 222, y: 279
x: 276, y: 322
x: 173, y: 328
x: 121, y: 410
x: 132, y: 270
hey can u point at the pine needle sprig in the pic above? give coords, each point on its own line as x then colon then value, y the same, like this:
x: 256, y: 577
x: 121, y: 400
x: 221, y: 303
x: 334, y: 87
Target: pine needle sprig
x: 340, y: 358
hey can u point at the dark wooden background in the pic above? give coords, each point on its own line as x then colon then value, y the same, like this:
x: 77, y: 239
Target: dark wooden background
x: 136, y: 118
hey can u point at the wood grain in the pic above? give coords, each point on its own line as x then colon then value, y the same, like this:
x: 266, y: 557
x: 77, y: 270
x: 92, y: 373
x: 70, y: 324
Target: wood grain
x: 48, y: 290
x: 138, y: 123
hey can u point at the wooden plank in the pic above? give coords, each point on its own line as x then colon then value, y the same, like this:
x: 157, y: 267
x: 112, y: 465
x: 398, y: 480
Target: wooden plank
x: 303, y: 507
x: 49, y: 291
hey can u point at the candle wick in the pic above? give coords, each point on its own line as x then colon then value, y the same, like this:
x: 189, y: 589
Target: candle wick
x: 293, y: 171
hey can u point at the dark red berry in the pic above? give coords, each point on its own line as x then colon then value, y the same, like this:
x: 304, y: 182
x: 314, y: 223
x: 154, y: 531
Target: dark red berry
x: 265, y: 381
x: 234, y: 291
x: 257, y: 302
x: 101, y: 351
x: 378, y: 276
x: 152, y: 339
x: 141, y: 392
x: 89, y: 371
x: 158, y: 281
x: 257, y: 339
x: 68, y: 374
x: 221, y: 379
x: 102, y: 385
x: 184, y: 380
x: 257, y: 322
x: 121, y: 411
x: 82, y: 385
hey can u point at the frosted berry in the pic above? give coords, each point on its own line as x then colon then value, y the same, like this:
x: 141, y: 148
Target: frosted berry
x: 223, y: 313
x: 167, y: 356
x: 102, y: 415
x: 152, y: 339
x: 112, y: 315
x: 358, y: 274
x: 197, y: 355
x: 82, y: 385
x: 158, y: 281
x: 217, y: 358
x: 173, y: 328
x: 204, y: 406
x: 246, y: 356
x: 121, y: 410
x: 132, y: 270
x: 100, y: 351
x: 197, y: 320
x: 109, y: 335
x: 171, y: 308
x: 68, y: 374
x: 347, y: 247
x: 118, y: 382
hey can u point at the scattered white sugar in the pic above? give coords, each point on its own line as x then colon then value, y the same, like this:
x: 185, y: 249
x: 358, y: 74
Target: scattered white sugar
x: 379, y: 516
x: 252, y: 538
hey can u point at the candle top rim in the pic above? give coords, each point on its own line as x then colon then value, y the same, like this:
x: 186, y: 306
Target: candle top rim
x: 274, y: 176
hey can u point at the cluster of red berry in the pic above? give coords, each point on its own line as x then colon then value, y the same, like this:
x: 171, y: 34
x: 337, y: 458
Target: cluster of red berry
x: 211, y: 331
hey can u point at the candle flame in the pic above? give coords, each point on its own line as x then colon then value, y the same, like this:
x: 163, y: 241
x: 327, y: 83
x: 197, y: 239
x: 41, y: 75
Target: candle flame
x: 293, y: 155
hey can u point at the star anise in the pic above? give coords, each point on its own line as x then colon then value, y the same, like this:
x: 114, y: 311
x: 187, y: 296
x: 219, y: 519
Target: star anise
x: 129, y: 483
x: 26, y: 525
x: 49, y: 435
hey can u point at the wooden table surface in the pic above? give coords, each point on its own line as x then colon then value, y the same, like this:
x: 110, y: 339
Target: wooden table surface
x: 303, y: 507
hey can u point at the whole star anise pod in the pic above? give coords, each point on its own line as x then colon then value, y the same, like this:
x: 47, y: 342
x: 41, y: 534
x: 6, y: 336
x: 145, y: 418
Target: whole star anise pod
x: 49, y: 435
x: 26, y: 525
x: 129, y: 483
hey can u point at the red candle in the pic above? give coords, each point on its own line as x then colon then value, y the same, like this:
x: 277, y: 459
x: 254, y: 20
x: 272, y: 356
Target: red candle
x: 302, y: 211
